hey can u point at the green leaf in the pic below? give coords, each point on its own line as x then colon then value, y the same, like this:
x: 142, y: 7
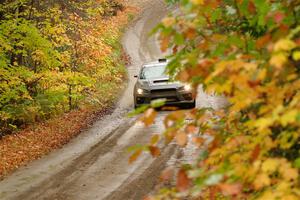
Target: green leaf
x: 213, y: 179
x: 158, y: 103
x: 297, y: 163
x: 179, y: 39
x: 139, y: 110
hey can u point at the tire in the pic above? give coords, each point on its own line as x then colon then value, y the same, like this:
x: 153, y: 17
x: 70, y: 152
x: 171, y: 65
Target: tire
x: 134, y: 103
x: 191, y: 105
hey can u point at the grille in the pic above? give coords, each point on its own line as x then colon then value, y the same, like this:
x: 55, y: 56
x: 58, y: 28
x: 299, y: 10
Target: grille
x: 162, y: 92
x: 168, y: 99
x: 161, y: 81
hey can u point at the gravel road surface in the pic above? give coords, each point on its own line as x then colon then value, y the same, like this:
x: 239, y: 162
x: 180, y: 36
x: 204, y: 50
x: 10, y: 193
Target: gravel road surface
x: 95, y: 164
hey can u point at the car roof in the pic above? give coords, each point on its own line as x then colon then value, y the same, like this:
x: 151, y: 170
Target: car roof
x: 159, y: 62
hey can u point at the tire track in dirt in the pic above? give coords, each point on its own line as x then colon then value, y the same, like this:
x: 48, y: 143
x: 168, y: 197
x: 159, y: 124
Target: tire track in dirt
x: 101, y: 169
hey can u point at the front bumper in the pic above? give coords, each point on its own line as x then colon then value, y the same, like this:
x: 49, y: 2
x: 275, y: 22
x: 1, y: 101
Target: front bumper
x: 172, y: 97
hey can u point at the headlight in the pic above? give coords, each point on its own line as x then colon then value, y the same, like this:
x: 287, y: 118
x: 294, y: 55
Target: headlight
x: 140, y: 91
x: 187, y: 87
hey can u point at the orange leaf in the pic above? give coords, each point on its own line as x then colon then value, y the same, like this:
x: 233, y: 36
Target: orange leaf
x: 181, y: 139
x: 155, y: 152
x: 191, y: 129
x: 169, y: 108
x: 175, y: 49
x: 215, y: 143
x: 297, y: 41
x: 198, y: 141
x: 164, y: 43
x: 231, y: 189
x: 190, y: 33
x: 212, y: 193
x: 203, y: 45
x: 251, y: 7
x: 255, y: 153
x: 183, y: 76
x: 135, y: 156
x: 183, y: 182
x: 173, y: 117
x: 149, y: 117
x: 263, y: 41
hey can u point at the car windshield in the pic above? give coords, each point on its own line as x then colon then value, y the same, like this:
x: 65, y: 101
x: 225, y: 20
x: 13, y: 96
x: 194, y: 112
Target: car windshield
x: 152, y: 72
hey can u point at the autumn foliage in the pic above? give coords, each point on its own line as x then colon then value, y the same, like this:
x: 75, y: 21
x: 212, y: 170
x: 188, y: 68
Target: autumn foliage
x: 56, y: 56
x: 61, y: 67
x: 248, y: 50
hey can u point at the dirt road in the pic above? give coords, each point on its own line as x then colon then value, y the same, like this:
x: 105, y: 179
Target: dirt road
x: 95, y: 164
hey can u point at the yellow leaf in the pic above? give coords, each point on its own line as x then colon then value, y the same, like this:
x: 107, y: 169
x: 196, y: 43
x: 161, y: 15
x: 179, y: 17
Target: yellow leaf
x: 257, y: 165
x: 291, y: 197
x: 261, y: 181
x: 268, y: 195
x: 289, y: 117
x: 154, y: 139
x: 263, y: 123
x: 284, y: 45
x: 283, y: 186
x: 278, y: 60
x: 250, y: 66
x: 168, y: 21
x: 296, y: 55
x: 289, y: 173
x: 198, y: 2
x: 218, y: 37
x: 262, y: 74
x: 270, y: 165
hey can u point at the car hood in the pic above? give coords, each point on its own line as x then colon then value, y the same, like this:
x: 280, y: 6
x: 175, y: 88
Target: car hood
x: 159, y: 83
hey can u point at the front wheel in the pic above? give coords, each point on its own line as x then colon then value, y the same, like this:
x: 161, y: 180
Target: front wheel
x: 134, y: 103
x: 191, y: 105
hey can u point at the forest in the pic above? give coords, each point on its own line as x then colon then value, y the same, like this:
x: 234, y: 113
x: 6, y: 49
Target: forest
x: 61, y: 56
x: 57, y: 56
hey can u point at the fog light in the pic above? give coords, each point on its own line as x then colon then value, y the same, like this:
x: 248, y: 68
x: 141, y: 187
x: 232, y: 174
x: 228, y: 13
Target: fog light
x: 187, y: 87
x: 140, y: 91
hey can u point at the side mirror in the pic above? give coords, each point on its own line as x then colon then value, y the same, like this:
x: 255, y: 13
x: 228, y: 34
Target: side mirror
x: 135, y: 76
